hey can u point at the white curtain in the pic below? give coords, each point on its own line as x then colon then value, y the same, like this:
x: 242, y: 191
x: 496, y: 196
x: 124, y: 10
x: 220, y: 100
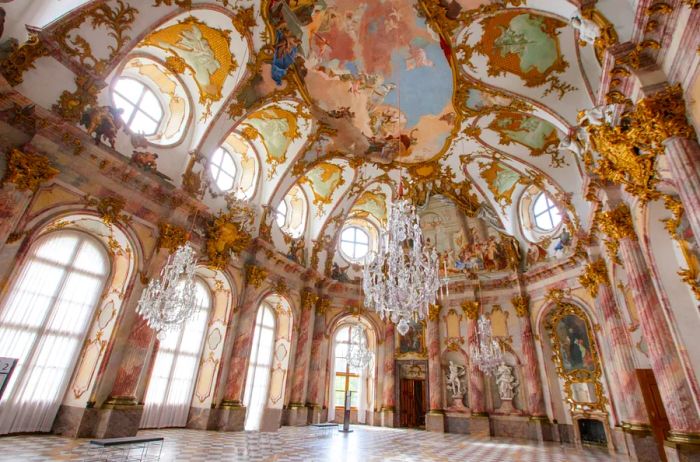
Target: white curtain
x: 259, y: 368
x: 174, y: 374
x: 362, y: 402
x: 43, y: 322
x: 331, y: 379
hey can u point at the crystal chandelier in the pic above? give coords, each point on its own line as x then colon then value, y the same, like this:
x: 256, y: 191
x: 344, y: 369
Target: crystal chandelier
x: 358, y: 355
x: 486, y: 354
x: 401, y: 280
x: 169, y: 301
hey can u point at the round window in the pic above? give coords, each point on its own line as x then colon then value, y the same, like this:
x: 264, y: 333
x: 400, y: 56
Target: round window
x: 141, y: 110
x: 354, y: 243
x: 547, y: 215
x: 222, y: 169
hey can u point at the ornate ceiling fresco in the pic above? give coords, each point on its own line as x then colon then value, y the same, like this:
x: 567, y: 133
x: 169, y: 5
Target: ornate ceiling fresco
x: 471, y: 100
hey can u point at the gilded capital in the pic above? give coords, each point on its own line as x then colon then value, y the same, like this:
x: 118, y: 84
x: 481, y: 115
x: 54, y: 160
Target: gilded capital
x: 662, y: 115
x: 433, y: 311
x: 617, y: 223
x: 27, y: 171
x: 471, y: 309
x: 308, y: 299
x: 521, y: 303
x: 323, y: 305
x: 171, y: 236
x: 594, y: 274
x: 255, y: 275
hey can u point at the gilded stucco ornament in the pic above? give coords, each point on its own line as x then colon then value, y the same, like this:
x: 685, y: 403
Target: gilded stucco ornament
x: 255, y: 275
x: 521, y: 303
x: 22, y: 58
x: 110, y: 208
x: 308, y: 299
x: 690, y: 275
x: 117, y: 20
x: 171, y: 236
x: 27, y: 171
x: 72, y: 105
x: 433, y: 312
x: 594, y: 274
x: 323, y: 305
x: 227, y: 232
x: 471, y: 309
x: 616, y: 224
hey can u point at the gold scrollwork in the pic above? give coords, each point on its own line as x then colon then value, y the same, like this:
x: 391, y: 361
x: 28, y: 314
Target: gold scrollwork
x: 225, y: 234
x: 22, y: 58
x: 255, y: 275
x: 110, y: 208
x: 521, y: 303
x: 470, y: 309
x: 616, y: 224
x: 27, y: 171
x: 594, y: 274
x: 171, y: 236
x: 308, y: 299
x: 71, y: 105
x: 323, y: 305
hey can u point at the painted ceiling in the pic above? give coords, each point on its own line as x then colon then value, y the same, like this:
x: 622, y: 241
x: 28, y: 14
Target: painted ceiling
x: 466, y: 99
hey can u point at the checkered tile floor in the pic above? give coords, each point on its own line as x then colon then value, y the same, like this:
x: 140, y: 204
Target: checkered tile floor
x: 365, y: 444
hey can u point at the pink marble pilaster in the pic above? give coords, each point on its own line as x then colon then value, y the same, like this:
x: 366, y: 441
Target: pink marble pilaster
x: 317, y: 362
x: 683, y: 156
x: 388, y: 399
x: 674, y: 389
x: 434, y: 366
x: 134, y: 360
x: 301, y: 357
x: 621, y: 346
x: 477, y: 401
x: 531, y: 375
x: 242, y: 343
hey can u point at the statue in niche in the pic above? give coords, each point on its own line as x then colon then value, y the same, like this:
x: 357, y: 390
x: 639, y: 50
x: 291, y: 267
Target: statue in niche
x: 588, y: 31
x: 455, y: 373
x: 506, y: 382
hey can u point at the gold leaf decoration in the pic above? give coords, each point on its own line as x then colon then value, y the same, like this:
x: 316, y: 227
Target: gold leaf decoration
x: 594, y: 274
x: 171, y: 236
x: 27, y: 171
x: 22, y: 58
x: 255, y: 275
x: 226, y: 234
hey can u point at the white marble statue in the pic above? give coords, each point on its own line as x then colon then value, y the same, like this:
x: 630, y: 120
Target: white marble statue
x: 454, y: 382
x: 598, y: 115
x: 571, y: 143
x: 506, y: 382
x: 588, y: 31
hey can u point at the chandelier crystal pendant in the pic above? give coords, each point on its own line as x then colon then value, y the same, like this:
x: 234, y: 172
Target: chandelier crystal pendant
x: 169, y: 301
x: 401, y: 280
x: 359, y: 356
x: 486, y: 354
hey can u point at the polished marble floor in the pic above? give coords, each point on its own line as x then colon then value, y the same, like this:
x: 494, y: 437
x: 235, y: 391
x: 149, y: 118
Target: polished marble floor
x: 365, y: 444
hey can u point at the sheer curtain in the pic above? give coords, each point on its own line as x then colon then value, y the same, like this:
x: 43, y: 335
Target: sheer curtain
x: 258, y: 379
x: 169, y: 394
x: 43, y: 322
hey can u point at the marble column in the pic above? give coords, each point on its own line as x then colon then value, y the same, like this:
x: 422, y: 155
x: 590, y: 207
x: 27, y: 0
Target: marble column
x: 683, y: 157
x: 298, y: 412
x: 531, y: 374
x: 435, y: 420
x: 389, y: 376
x: 675, y: 391
x: 232, y: 415
x: 317, y: 364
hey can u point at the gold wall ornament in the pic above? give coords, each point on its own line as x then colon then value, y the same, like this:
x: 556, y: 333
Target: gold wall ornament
x: 117, y: 20
x: 430, y: 179
x: 171, y: 236
x: 27, y: 171
x: 323, y: 305
x: 576, y: 357
x: 244, y: 20
x: 470, y: 309
x: 594, y: 274
x: 692, y: 3
x: 110, y: 208
x: 181, y: 3
x: 22, y: 58
x: 690, y: 275
x: 434, y: 311
x: 280, y: 287
x: 616, y: 224
x: 255, y: 275
x: 308, y: 299
x: 557, y: 295
x: 521, y: 303
x: 226, y: 233
x: 72, y: 105
x: 661, y: 116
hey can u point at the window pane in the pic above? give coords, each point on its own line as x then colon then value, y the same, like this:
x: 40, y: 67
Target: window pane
x: 150, y: 105
x: 123, y: 104
x: 224, y: 182
x: 281, y: 214
x: 361, y: 236
x: 348, y: 248
x: 540, y: 204
x: 360, y: 250
x: 556, y: 217
x: 340, y: 398
x: 130, y: 89
x: 143, y: 124
x: 544, y: 222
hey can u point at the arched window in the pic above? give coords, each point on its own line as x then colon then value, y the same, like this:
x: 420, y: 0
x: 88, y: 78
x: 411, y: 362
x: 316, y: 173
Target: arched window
x: 347, y: 378
x: 291, y: 212
x: 222, y: 169
x: 258, y: 379
x: 281, y: 214
x: 170, y: 388
x: 354, y: 243
x: 43, y: 322
x: 142, y: 110
x: 547, y: 215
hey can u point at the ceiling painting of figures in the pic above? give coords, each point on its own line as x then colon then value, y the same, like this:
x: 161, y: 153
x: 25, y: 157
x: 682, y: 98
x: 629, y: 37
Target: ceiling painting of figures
x: 375, y: 70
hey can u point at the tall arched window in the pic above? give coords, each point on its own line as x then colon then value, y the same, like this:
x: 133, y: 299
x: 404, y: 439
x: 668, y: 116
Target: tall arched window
x: 43, y: 322
x: 170, y: 389
x: 258, y: 380
x: 347, y: 378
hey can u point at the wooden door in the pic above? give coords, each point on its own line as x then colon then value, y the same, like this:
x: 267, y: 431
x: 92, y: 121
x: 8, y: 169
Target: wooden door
x: 407, y: 403
x: 655, y: 408
x: 420, y: 402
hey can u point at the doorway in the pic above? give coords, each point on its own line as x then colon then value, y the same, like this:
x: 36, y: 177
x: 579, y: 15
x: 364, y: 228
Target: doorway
x: 655, y: 408
x: 412, y: 403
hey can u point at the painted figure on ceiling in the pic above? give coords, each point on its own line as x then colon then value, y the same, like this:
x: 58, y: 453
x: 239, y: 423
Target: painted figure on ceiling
x: 286, y: 48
